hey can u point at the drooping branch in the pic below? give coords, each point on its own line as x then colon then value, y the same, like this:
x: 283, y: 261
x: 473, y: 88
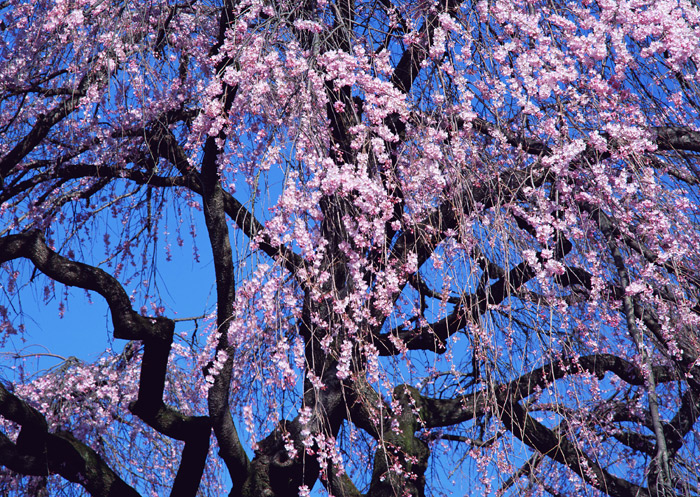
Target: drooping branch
x: 528, y: 469
x: 128, y: 324
x: 607, y: 225
x: 424, y: 237
x: 433, y: 413
x: 38, y: 452
x: 157, y: 334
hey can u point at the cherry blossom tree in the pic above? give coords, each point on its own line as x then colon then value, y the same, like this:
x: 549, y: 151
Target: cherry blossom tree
x: 450, y: 241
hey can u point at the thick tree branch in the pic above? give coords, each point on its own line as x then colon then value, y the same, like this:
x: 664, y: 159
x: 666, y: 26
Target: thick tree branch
x: 19, y: 461
x: 231, y: 449
x: 447, y: 412
x: 156, y: 333
x: 683, y: 421
x: 78, y: 463
x: 339, y: 483
x: 38, y: 452
x: 162, y: 143
x: 42, y: 127
x: 434, y: 336
x: 401, y: 458
x: 677, y: 138
x: 561, y: 449
x: 193, y: 430
x: 127, y: 323
x: 409, y: 65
